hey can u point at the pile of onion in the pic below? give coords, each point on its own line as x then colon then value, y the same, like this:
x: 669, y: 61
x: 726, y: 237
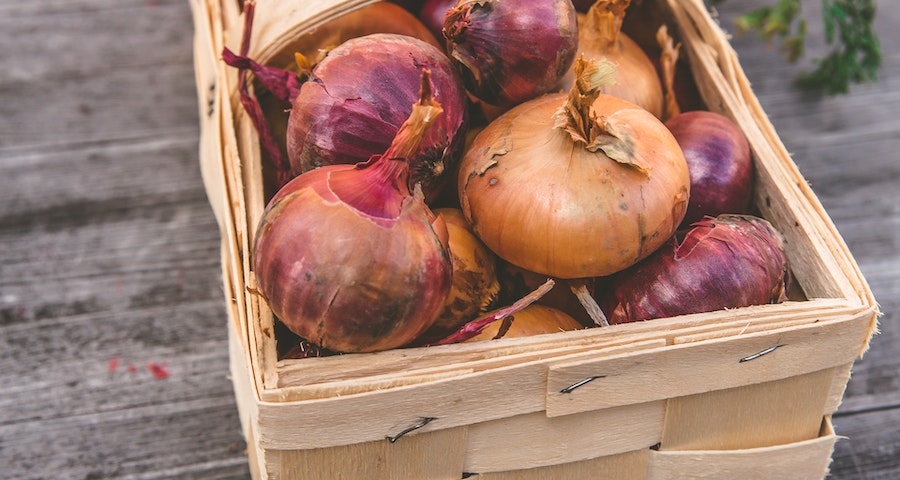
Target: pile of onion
x: 350, y: 257
x: 600, y: 36
x: 725, y: 262
x: 578, y: 185
x: 359, y: 95
x: 569, y: 203
x: 510, y: 51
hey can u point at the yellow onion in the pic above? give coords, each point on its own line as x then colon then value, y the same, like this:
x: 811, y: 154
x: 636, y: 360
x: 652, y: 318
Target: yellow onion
x: 350, y: 257
x: 516, y: 281
x: 476, y: 326
x: 475, y: 286
x: 600, y: 36
x: 575, y: 186
x: 534, y: 319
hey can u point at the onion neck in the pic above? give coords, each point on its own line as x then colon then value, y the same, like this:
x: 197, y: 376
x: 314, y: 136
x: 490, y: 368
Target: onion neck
x: 668, y: 59
x: 603, y: 23
x: 379, y: 186
x: 576, y: 116
x: 613, y: 138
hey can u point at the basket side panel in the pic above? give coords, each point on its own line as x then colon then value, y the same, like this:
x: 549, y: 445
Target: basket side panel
x: 624, y: 466
x: 687, y: 369
x: 807, y: 460
x: 205, y: 70
x: 534, y: 440
x: 761, y: 415
x: 427, y: 456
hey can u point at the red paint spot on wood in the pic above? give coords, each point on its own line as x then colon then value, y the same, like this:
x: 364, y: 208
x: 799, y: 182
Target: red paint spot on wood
x: 159, y: 370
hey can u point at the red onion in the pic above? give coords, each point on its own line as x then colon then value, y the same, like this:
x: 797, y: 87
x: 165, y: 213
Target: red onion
x: 432, y: 15
x: 725, y: 262
x: 719, y: 163
x: 358, y: 96
x: 510, y: 51
x: 348, y: 257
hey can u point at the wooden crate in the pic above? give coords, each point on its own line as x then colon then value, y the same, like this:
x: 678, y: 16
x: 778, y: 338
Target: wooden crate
x: 742, y: 393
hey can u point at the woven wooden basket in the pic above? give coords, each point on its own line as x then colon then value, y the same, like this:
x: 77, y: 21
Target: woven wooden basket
x: 743, y: 393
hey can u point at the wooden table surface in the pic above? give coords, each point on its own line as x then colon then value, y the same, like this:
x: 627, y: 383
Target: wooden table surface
x: 113, y: 354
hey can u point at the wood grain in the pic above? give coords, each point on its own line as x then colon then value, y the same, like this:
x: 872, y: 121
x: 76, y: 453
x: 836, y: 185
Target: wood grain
x: 110, y: 261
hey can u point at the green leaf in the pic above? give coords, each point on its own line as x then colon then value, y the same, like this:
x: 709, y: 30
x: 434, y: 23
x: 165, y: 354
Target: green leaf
x: 856, y: 54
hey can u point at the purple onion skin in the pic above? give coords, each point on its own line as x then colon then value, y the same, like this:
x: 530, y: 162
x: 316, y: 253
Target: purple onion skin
x: 433, y: 13
x: 725, y: 262
x: 361, y: 93
x: 719, y: 161
x: 510, y: 51
x: 351, y: 277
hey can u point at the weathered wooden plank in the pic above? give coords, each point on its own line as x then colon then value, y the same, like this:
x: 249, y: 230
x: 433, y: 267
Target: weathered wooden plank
x: 91, y: 37
x: 130, y: 442
x: 83, y: 71
x: 119, y: 105
x: 109, y: 254
x: 871, y: 448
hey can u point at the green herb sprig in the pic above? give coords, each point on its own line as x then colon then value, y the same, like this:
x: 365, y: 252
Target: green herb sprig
x: 855, y: 57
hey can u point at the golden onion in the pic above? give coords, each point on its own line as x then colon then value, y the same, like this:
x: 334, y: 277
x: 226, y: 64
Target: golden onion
x: 574, y: 186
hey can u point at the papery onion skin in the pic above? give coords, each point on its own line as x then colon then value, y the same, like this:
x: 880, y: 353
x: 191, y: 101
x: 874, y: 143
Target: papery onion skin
x: 475, y: 287
x: 720, y: 164
x: 545, y: 203
x: 360, y: 94
x: 727, y: 262
x: 534, y: 319
x: 510, y: 51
